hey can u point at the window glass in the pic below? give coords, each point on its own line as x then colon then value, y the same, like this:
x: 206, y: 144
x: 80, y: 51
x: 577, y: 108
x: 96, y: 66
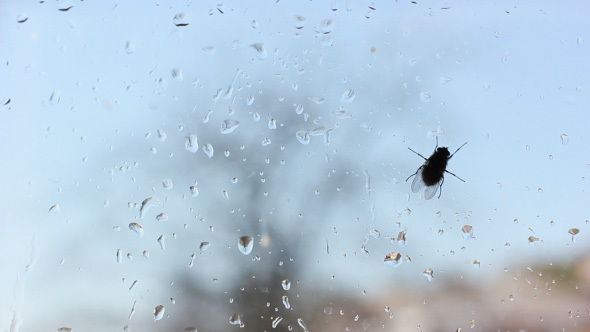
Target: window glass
x: 197, y: 165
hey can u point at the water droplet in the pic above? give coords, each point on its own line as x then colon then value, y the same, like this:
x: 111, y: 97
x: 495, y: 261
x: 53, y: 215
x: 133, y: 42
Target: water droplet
x: 209, y: 49
x: 286, y: 302
x: 375, y: 233
x: 191, y: 143
x: 348, y: 96
x: 401, y: 238
x: 176, y: 75
x: 130, y: 47
x: 167, y: 184
x: 145, y: 206
x: 133, y: 284
x: 326, y: 26
x: 276, y: 322
x: 286, y: 284
x: 162, y: 217
x: 65, y: 329
x: 159, y: 312
x: 259, y: 51
x: 444, y: 79
x: 136, y: 228
x: 245, y: 244
x: 22, y: 18
x: 146, y: 254
x: 266, y: 141
x: 221, y: 8
x: 573, y: 231
x: 299, y: 109
x: 56, y: 96
x: 317, y: 100
x: 162, y: 242
x: 393, y: 259
x: 429, y: 274
x: 64, y: 6
x: 194, y: 191
x: 425, y: 97
x: 511, y: 297
x: 190, y: 329
x: 236, y: 319
x: 161, y: 135
x: 229, y: 126
x: 204, y: 246
x: 302, y: 324
x: 300, y: 22
x: 467, y: 232
x: 132, y: 311
x: 55, y: 208
x: 119, y: 255
x: 217, y: 94
x: 565, y: 139
x: 181, y: 20
x: 476, y: 264
x: 208, y: 149
x: 250, y: 100
x: 321, y: 131
x: 302, y: 137
x: 533, y: 240
x: 272, y: 123
x: 191, y: 261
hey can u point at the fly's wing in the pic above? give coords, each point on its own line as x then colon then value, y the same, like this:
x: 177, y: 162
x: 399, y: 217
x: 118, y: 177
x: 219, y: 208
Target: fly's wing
x: 432, y: 190
x: 417, y: 184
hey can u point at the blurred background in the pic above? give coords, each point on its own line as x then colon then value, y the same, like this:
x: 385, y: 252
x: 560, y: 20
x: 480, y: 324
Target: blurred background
x: 197, y: 165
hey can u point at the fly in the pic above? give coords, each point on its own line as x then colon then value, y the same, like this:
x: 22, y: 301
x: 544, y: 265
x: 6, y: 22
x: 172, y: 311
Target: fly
x: 432, y: 173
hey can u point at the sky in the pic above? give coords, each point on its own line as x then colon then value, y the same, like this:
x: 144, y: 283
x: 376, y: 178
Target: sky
x: 98, y: 101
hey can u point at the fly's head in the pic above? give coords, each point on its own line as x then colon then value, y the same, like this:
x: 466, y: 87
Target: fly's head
x: 443, y: 152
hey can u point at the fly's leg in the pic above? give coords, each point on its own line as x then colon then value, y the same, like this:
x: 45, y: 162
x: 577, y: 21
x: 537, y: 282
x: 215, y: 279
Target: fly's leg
x: 417, y: 153
x: 456, y: 150
x: 454, y: 175
x: 413, y: 174
x: 440, y: 186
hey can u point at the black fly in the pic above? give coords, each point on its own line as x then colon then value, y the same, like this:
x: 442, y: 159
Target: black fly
x: 432, y: 174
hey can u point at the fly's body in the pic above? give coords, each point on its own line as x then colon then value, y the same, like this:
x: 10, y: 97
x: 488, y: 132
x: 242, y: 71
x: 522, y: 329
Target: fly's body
x: 432, y: 173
